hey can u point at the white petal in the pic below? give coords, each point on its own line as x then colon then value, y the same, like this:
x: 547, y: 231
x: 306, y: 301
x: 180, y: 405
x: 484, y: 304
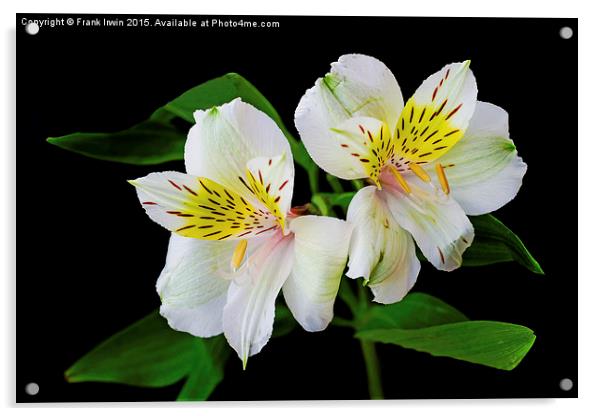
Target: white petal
x: 193, y: 284
x: 200, y: 208
x: 250, y: 308
x: 271, y: 179
x: 364, y: 86
x: 321, y: 247
x: 160, y: 192
x: 380, y: 250
x: 454, y: 83
x: 484, y: 170
x: 224, y: 139
x: 357, y: 86
x: 438, y: 224
x: 391, y: 282
x: 366, y: 214
x: 437, y: 115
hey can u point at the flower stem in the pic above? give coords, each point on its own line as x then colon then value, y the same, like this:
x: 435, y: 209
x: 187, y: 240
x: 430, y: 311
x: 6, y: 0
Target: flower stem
x: 313, y: 180
x: 372, y: 370
x: 368, y: 349
x: 334, y: 183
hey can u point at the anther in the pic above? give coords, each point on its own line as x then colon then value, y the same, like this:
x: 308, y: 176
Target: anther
x: 442, y: 178
x: 239, y: 254
x: 400, y: 180
x: 421, y: 173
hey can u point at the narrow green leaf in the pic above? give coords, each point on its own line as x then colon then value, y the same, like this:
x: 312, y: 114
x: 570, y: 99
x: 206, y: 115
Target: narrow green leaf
x: 320, y: 202
x: 495, y: 243
x: 495, y: 344
x: 416, y: 310
x: 207, y: 370
x: 147, y: 143
x: 148, y: 353
x: 157, y: 140
x: 343, y: 199
x: 329, y: 199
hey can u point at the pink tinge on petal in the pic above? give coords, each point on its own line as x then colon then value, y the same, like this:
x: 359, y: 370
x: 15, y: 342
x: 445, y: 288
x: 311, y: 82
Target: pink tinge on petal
x: 250, y: 307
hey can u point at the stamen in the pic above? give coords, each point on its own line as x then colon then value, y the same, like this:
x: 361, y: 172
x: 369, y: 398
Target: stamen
x: 442, y: 178
x: 421, y: 173
x: 239, y: 254
x: 400, y: 180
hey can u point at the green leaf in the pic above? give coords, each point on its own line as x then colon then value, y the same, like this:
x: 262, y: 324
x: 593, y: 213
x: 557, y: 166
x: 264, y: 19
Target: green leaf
x: 495, y: 243
x: 207, y: 370
x: 150, y: 142
x: 325, y: 200
x: 494, y: 344
x: 284, y: 323
x: 342, y: 200
x: 157, y: 140
x: 219, y: 91
x: 416, y: 310
x: 148, y: 353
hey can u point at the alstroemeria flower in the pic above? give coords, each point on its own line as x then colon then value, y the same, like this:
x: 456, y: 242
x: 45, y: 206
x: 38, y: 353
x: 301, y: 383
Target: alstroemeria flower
x: 431, y: 162
x: 235, y: 241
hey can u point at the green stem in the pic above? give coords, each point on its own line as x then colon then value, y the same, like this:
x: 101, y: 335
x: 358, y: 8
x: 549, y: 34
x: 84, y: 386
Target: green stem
x: 372, y: 370
x: 369, y: 350
x: 313, y: 180
x: 334, y: 183
x: 357, y: 184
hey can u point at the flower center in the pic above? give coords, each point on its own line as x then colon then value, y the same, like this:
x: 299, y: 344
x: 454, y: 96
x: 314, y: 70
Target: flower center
x: 399, y: 177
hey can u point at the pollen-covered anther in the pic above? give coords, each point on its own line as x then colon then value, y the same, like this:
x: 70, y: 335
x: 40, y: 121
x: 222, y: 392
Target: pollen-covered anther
x: 421, y: 173
x: 239, y: 254
x: 400, y: 180
x: 442, y: 178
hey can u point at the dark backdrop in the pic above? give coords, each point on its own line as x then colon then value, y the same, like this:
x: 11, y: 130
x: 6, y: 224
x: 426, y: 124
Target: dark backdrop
x: 88, y: 256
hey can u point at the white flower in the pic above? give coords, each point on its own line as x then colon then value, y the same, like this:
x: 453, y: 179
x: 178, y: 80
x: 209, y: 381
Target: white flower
x: 426, y: 180
x: 235, y: 242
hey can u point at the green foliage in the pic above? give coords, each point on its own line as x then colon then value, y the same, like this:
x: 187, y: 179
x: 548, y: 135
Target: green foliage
x: 495, y: 243
x: 147, y: 143
x: 207, y: 370
x: 495, y: 344
x: 425, y: 323
x: 158, y: 140
x: 416, y: 310
x: 151, y: 354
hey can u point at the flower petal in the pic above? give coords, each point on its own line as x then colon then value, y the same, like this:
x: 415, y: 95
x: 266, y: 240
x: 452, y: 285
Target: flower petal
x: 193, y: 284
x: 200, y: 208
x: 484, y: 170
x: 391, y: 283
x: 250, y: 308
x: 271, y: 180
x: 364, y: 144
x: 437, y: 223
x: 224, y: 139
x: 437, y: 115
x: 321, y: 247
x: 357, y: 86
x: 381, y: 251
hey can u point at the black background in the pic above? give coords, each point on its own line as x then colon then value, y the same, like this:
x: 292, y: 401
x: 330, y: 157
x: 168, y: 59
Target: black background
x: 89, y: 257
